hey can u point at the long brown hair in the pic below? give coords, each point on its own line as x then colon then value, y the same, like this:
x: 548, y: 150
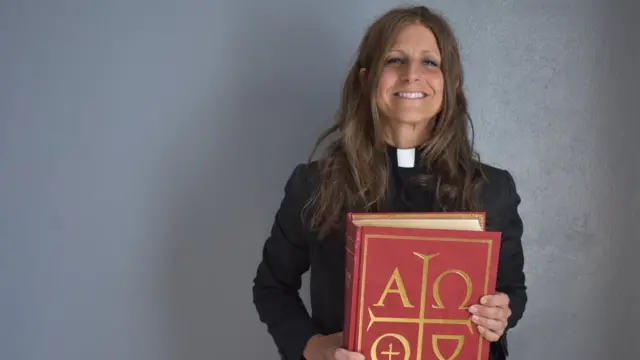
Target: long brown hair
x: 353, y: 174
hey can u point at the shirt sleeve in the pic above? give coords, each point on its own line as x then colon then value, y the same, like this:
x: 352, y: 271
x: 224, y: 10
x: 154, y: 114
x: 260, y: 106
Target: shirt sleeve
x: 285, y: 257
x: 511, y: 277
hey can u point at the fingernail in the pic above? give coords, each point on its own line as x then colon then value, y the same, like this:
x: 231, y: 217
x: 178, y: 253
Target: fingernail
x: 474, y: 318
x: 483, y: 301
x: 473, y: 309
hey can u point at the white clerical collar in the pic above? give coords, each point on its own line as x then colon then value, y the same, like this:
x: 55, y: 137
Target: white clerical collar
x: 406, y: 157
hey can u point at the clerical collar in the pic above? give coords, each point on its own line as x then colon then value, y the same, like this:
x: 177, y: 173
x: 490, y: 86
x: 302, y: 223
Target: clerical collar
x: 402, y: 157
x: 406, y: 157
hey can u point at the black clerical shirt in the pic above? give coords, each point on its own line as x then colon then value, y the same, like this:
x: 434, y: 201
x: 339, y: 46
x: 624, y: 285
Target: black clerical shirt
x: 291, y: 250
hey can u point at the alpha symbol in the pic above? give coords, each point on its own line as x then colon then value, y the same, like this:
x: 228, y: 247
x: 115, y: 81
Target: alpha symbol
x: 400, y: 290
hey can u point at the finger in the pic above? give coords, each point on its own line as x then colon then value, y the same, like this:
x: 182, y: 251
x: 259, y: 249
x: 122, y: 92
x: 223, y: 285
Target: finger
x: 343, y: 354
x: 488, y: 334
x: 497, y: 313
x: 499, y: 299
x: 491, y: 324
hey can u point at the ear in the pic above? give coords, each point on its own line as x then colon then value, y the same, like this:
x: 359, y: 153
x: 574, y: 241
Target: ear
x: 363, y: 74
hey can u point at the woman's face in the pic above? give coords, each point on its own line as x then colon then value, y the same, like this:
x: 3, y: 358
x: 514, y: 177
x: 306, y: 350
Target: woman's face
x: 410, y: 90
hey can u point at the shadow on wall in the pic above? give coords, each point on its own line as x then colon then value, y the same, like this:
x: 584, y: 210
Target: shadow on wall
x: 281, y: 80
x: 619, y: 197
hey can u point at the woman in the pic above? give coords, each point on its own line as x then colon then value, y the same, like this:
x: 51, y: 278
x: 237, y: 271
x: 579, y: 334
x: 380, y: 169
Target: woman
x: 401, y: 145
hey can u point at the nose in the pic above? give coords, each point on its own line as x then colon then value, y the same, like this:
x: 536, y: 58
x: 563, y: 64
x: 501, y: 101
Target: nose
x: 412, y: 72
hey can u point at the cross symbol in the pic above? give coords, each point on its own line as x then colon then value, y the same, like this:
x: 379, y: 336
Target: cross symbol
x: 421, y: 320
x: 390, y: 352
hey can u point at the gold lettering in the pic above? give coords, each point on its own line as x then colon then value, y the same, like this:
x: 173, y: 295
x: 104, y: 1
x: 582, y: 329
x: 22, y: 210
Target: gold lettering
x: 397, y: 279
x: 436, y: 347
x: 423, y: 293
x: 436, y: 289
x: 421, y: 320
x: 390, y: 353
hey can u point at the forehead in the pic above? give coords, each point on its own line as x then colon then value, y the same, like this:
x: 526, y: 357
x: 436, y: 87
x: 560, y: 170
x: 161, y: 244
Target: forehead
x: 415, y: 37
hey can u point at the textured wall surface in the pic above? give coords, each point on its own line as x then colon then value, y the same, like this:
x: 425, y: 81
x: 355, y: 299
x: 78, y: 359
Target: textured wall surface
x: 144, y: 146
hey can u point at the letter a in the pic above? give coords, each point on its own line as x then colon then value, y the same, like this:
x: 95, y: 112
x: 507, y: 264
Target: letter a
x: 397, y: 279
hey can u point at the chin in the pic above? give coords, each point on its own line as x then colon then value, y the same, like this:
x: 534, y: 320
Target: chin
x: 410, y: 119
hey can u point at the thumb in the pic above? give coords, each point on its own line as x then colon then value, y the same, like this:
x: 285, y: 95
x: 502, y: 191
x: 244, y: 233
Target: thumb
x: 344, y: 354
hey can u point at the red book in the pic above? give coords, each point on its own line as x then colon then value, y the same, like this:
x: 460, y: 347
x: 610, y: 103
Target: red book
x: 410, y: 280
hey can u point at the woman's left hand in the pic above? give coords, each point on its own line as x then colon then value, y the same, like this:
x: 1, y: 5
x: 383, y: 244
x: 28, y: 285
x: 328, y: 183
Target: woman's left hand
x: 491, y: 315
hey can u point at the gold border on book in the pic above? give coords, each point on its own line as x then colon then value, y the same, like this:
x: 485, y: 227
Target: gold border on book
x: 424, y: 238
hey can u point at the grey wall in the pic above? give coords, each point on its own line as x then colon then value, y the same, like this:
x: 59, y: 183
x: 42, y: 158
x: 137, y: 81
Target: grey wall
x: 144, y: 146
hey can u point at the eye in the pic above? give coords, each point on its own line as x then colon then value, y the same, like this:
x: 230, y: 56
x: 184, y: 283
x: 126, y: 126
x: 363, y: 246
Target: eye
x: 430, y: 62
x: 395, y: 60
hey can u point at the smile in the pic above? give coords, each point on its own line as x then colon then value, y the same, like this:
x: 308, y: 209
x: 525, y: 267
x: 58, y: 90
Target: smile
x: 410, y: 94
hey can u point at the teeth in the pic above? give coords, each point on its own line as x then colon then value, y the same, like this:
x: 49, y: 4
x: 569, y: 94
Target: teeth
x: 411, y: 95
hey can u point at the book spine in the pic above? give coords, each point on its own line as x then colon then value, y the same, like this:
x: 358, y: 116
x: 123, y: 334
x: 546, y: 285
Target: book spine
x: 352, y: 276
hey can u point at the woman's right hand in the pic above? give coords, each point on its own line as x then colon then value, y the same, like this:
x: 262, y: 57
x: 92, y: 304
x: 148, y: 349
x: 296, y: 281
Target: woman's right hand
x: 329, y: 347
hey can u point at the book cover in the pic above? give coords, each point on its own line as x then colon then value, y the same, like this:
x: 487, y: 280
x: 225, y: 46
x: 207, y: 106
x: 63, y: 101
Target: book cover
x: 409, y: 281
